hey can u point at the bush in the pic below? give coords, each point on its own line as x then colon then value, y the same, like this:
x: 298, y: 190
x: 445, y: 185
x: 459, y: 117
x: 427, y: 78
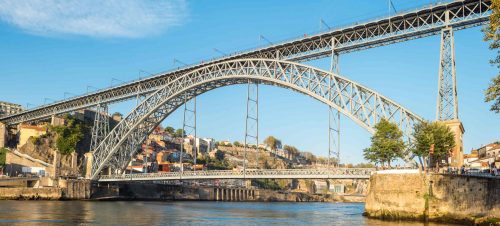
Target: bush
x: 68, y: 136
x: 3, y: 156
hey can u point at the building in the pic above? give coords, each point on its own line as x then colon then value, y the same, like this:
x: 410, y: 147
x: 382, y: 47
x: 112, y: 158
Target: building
x: 26, y: 131
x: 488, y: 156
x: 7, y: 108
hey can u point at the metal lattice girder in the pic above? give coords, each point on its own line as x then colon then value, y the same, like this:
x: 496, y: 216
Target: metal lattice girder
x: 338, y: 173
x: 447, y: 101
x: 397, y: 28
x: 362, y: 105
x: 101, y: 125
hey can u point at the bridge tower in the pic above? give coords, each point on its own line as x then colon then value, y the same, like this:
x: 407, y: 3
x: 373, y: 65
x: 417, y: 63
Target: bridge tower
x: 333, y: 115
x: 101, y: 125
x: 252, y: 122
x: 189, y: 122
x: 447, y: 98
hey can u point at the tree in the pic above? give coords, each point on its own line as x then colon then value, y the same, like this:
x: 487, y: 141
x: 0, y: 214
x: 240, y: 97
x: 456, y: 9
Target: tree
x: 237, y: 144
x: 492, y: 35
x: 432, y: 133
x: 68, y: 136
x: 273, y: 143
x: 180, y: 133
x: 493, y: 94
x: 170, y: 130
x: 219, y: 155
x: 387, y: 143
x: 117, y: 114
x: 293, y: 151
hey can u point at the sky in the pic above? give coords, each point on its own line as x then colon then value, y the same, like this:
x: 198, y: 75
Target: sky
x: 55, y: 49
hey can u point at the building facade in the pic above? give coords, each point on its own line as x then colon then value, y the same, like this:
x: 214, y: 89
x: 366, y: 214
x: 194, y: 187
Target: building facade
x: 7, y: 108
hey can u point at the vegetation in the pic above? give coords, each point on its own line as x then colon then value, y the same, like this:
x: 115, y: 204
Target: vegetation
x: 272, y: 142
x: 69, y: 135
x: 237, y: 144
x: 387, y: 144
x: 427, y: 134
x: 3, y: 156
x: 292, y: 150
x: 179, y: 133
x: 170, y: 130
x: 117, y: 114
x: 270, y: 184
x: 492, y: 35
x: 493, y: 94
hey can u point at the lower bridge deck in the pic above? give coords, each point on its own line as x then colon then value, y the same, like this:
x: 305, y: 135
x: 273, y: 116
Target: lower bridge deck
x: 337, y: 173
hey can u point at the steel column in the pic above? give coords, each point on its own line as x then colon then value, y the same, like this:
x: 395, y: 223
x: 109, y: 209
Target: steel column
x: 189, y: 121
x: 333, y: 115
x: 252, y: 121
x: 101, y: 125
x: 447, y: 101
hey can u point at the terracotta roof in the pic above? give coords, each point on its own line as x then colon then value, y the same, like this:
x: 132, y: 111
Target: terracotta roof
x: 38, y: 128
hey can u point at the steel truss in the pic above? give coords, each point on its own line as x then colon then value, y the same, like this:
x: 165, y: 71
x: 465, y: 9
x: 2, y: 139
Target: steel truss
x: 252, y: 122
x: 364, y: 106
x: 397, y: 28
x: 447, y: 100
x: 337, y: 173
x: 189, y: 126
x: 334, y: 115
x: 101, y: 125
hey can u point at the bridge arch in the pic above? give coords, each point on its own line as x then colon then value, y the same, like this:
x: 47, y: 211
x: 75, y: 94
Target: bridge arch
x: 359, y: 103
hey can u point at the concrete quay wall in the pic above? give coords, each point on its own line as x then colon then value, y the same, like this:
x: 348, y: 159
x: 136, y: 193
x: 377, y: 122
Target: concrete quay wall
x: 433, y: 197
x: 66, y: 190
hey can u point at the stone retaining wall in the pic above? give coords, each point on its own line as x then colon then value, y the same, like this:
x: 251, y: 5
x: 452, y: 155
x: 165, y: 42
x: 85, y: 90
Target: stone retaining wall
x: 419, y: 196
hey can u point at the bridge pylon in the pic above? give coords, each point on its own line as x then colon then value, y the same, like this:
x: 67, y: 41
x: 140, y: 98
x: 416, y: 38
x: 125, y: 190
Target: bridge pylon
x: 333, y: 115
x: 447, y: 98
x: 101, y: 125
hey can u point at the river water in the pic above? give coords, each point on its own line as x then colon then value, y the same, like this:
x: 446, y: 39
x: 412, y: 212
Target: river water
x: 184, y: 213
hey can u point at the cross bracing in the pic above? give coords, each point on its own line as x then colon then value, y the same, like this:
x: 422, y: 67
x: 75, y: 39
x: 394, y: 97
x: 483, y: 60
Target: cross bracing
x: 397, y: 28
x: 359, y: 103
x: 337, y: 173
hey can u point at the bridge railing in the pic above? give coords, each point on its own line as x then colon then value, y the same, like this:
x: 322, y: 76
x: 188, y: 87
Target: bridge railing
x: 239, y: 173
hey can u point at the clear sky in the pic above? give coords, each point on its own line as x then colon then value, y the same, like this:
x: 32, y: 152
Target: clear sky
x: 52, y: 47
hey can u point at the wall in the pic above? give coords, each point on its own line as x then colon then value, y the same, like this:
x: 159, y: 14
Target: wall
x: 432, y: 197
x: 31, y: 193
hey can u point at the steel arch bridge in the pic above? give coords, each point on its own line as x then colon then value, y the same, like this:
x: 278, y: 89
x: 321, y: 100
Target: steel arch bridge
x: 359, y: 103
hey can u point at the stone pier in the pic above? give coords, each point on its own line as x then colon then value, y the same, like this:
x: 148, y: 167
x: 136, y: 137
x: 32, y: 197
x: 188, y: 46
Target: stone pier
x: 234, y: 194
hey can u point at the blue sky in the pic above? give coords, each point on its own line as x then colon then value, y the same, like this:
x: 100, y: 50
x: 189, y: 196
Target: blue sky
x: 46, y: 51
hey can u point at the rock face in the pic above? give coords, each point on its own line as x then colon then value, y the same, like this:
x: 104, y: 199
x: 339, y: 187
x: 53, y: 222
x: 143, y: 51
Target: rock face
x: 419, y: 196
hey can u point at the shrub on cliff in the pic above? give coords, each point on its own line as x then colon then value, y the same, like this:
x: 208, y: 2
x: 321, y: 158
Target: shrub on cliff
x: 69, y: 135
x: 3, y: 156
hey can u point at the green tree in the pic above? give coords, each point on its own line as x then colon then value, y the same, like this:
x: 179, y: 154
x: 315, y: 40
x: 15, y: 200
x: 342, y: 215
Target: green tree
x: 219, y: 155
x: 432, y: 133
x: 237, y: 144
x: 292, y: 150
x: 3, y: 156
x: 493, y: 94
x: 273, y: 143
x: 179, y: 133
x: 387, y: 144
x: 69, y: 135
x: 492, y: 35
x: 170, y: 130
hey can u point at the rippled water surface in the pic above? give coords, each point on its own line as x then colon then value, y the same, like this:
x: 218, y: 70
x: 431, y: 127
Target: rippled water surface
x: 195, y: 213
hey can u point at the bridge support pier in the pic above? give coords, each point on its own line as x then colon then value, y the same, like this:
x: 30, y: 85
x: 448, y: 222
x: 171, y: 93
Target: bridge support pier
x: 447, y: 99
x: 3, y: 135
x: 333, y: 115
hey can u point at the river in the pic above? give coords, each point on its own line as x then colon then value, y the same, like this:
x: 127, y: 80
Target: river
x: 195, y: 213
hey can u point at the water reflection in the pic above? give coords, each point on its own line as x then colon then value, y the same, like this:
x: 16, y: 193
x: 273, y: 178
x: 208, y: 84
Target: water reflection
x: 205, y: 213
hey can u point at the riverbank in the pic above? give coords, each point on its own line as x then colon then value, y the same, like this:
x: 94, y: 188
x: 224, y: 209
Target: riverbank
x: 144, y: 191
x: 424, y: 197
